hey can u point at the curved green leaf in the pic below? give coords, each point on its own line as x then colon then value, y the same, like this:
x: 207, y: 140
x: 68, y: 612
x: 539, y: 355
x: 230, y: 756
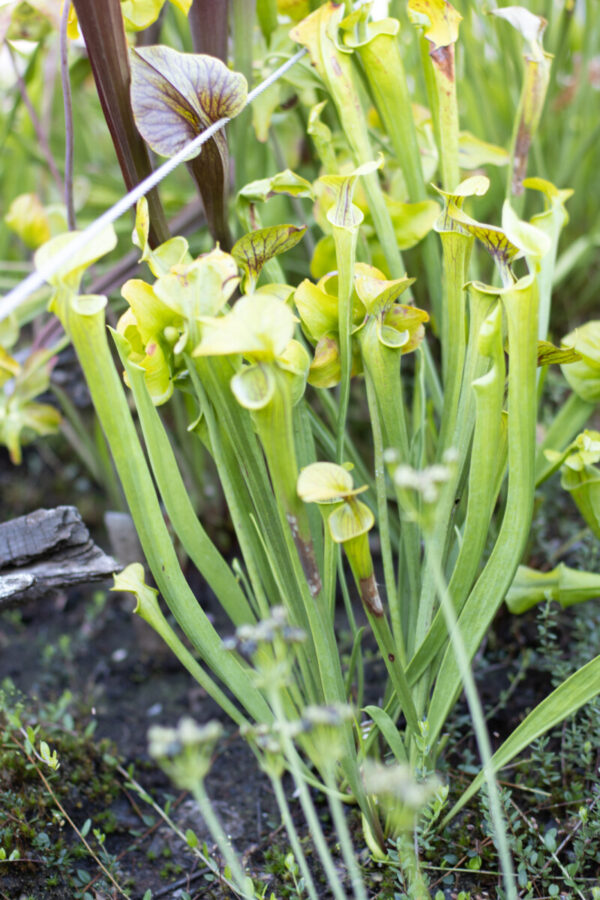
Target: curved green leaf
x: 253, y: 250
x: 572, y: 694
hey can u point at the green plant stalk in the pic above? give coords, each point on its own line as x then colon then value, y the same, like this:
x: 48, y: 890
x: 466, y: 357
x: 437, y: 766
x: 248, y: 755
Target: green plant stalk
x: 382, y: 62
x: 478, y: 718
x: 361, y: 563
x: 432, y: 380
x: 330, y: 560
x: 355, y: 664
x: 520, y: 304
x: 290, y: 828
x: 396, y: 673
x: 329, y: 667
x: 244, y: 884
x: 267, y: 17
x: 256, y: 556
x: 238, y: 502
x: 345, y: 251
x: 316, y: 832
x: 552, y: 227
x: 343, y: 834
x: 479, y: 307
x: 149, y: 610
x: 250, y: 476
x: 531, y: 104
x: 306, y: 453
x: 383, y: 521
x: 336, y: 70
x: 188, y: 449
x: 438, y: 66
x: 489, y: 397
x: 175, y: 497
x: 102, y: 28
x: 383, y: 367
x: 307, y: 613
x: 456, y: 248
x: 85, y: 326
x: 243, y: 20
x: 419, y: 410
x: 568, y: 422
x: 266, y: 553
x: 411, y: 867
x: 275, y: 427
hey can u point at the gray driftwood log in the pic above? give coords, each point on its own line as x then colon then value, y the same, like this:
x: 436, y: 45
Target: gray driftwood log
x: 48, y: 550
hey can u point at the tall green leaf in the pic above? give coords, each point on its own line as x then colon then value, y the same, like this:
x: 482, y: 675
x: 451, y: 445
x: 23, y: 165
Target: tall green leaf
x: 572, y: 694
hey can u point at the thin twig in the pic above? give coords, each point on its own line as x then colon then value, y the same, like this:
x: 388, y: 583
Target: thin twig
x: 68, y: 107
x: 39, y: 131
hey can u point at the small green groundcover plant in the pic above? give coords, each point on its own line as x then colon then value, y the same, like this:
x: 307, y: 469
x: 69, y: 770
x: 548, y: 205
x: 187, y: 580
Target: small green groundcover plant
x: 441, y: 469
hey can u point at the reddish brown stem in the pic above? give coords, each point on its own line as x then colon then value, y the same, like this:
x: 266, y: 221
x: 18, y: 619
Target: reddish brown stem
x: 209, y: 26
x: 101, y: 24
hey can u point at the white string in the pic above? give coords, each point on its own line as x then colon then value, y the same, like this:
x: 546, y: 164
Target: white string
x: 34, y: 281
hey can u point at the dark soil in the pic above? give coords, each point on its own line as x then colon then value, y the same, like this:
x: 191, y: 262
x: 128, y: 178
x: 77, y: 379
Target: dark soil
x: 125, y: 683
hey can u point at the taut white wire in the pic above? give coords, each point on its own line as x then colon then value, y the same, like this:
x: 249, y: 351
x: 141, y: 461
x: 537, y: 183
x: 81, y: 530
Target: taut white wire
x: 34, y: 281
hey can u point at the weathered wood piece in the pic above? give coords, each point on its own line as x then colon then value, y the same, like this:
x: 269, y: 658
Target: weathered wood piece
x: 48, y: 550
